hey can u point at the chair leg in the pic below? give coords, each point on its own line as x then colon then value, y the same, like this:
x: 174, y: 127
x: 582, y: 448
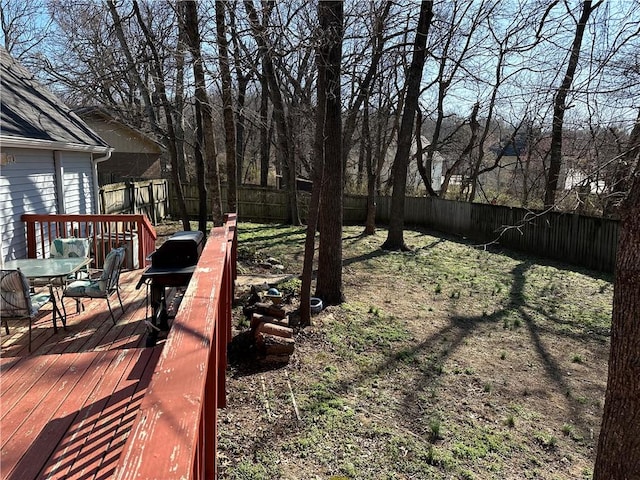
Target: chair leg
x: 30, y: 335
x: 111, y: 311
x: 56, y: 292
x: 120, y: 299
x: 6, y: 325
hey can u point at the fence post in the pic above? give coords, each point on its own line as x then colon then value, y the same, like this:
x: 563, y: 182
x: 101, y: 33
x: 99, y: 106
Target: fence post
x: 154, y: 216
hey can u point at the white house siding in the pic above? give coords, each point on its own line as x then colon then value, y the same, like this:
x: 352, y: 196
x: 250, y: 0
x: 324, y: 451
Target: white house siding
x: 27, y: 185
x: 78, y: 183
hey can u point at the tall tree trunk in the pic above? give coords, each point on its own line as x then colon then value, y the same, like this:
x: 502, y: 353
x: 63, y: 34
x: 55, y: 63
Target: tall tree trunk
x: 559, y: 107
x: 377, y: 41
x: 329, y: 59
x: 227, y: 110
x: 169, y: 135
x: 424, y: 169
x: 395, y: 237
x: 264, y: 130
x: 243, y: 82
x: 618, y: 454
x: 367, y: 154
x: 193, y: 40
x: 179, y: 102
x: 204, y: 115
x: 278, y: 107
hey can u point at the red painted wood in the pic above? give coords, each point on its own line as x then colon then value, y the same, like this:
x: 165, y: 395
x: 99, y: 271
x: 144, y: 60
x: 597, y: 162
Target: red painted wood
x: 85, y: 399
x: 80, y: 454
x: 109, y: 463
x: 66, y: 225
x: 13, y: 387
x: 175, y: 433
x: 28, y: 418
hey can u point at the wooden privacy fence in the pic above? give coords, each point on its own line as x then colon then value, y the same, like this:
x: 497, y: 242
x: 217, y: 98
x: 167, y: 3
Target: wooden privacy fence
x: 104, y: 232
x: 150, y: 198
x: 175, y: 432
x: 590, y: 242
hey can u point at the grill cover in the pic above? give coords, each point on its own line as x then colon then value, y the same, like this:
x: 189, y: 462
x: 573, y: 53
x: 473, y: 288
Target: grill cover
x: 182, y: 249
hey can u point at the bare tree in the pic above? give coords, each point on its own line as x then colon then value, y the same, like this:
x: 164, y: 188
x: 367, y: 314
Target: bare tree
x: 275, y: 94
x: 158, y: 80
x: 329, y: 122
x: 395, y: 237
x: 205, y: 152
x: 227, y: 102
x: 22, y: 27
x: 559, y: 105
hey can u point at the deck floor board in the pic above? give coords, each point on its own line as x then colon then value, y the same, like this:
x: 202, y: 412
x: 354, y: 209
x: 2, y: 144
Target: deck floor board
x: 69, y: 405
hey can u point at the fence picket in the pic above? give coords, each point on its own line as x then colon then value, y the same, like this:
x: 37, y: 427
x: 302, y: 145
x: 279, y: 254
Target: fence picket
x: 590, y: 242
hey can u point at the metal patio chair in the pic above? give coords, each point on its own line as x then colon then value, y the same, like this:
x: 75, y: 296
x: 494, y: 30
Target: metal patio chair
x: 17, y: 301
x: 103, y: 287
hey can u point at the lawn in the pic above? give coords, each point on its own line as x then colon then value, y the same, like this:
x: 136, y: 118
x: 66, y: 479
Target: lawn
x: 450, y: 361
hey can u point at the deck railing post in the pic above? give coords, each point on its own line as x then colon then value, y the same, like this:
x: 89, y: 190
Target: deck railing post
x: 104, y: 232
x: 31, y: 238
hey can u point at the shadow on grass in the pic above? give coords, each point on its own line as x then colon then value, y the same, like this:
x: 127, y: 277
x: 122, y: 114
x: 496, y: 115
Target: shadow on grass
x: 440, y: 346
x: 283, y: 233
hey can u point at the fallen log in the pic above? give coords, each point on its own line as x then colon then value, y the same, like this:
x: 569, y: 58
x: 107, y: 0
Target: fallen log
x: 258, y: 318
x: 275, y: 345
x: 269, y: 309
x: 272, y: 329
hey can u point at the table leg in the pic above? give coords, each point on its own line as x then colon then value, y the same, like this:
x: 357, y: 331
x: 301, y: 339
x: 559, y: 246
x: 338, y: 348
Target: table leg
x: 56, y: 310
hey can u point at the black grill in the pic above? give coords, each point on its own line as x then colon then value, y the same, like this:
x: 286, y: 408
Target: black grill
x: 180, y: 250
x: 172, y: 265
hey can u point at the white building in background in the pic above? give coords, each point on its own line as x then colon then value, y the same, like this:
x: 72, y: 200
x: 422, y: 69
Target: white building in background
x: 576, y: 178
x: 48, y: 157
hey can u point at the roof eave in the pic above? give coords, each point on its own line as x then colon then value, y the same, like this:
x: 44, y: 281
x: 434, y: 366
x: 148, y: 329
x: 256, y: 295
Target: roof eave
x: 8, y: 141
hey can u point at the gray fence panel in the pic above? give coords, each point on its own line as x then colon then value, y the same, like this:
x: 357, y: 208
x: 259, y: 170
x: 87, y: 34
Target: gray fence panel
x: 586, y: 241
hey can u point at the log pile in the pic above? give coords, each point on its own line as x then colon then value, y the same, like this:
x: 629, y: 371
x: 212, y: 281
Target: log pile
x: 271, y: 333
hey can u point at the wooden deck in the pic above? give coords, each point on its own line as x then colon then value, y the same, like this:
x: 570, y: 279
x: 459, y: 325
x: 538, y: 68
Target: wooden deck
x: 68, y: 406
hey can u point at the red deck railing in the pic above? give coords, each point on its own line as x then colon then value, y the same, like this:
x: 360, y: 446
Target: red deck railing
x: 175, y: 433
x: 104, y: 232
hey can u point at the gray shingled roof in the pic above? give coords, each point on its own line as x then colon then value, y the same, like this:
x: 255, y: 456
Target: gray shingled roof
x: 29, y: 111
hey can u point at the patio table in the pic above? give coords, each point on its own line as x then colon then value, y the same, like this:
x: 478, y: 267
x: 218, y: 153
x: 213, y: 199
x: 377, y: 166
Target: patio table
x: 49, y: 269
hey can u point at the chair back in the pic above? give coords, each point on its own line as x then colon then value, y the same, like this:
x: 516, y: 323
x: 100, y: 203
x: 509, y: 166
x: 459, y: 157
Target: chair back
x: 69, y: 247
x: 15, y: 300
x: 111, y: 272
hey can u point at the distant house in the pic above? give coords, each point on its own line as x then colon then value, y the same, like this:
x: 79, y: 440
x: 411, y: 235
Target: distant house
x: 48, y: 156
x: 135, y: 155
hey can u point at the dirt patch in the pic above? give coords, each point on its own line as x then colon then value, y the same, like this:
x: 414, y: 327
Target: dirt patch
x: 449, y: 361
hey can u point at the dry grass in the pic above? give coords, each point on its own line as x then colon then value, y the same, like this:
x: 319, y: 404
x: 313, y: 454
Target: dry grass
x: 449, y: 361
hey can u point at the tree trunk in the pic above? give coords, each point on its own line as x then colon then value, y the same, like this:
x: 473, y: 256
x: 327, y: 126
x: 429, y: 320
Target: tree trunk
x: 169, y: 136
x: 243, y: 82
x: 424, y: 169
x: 278, y: 106
x: 618, y: 454
x: 377, y: 41
x: 370, y: 222
x: 329, y: 283
x: 179, y: 103
x: 227, y: 110
x: 559, y: 107
x: 619, y: 442
x: 264, y: 130
x: 395, y: 237
x: 193, y: 40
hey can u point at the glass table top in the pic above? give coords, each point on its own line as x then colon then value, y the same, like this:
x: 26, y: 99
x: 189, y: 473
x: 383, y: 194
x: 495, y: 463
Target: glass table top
x: 47, y: 267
